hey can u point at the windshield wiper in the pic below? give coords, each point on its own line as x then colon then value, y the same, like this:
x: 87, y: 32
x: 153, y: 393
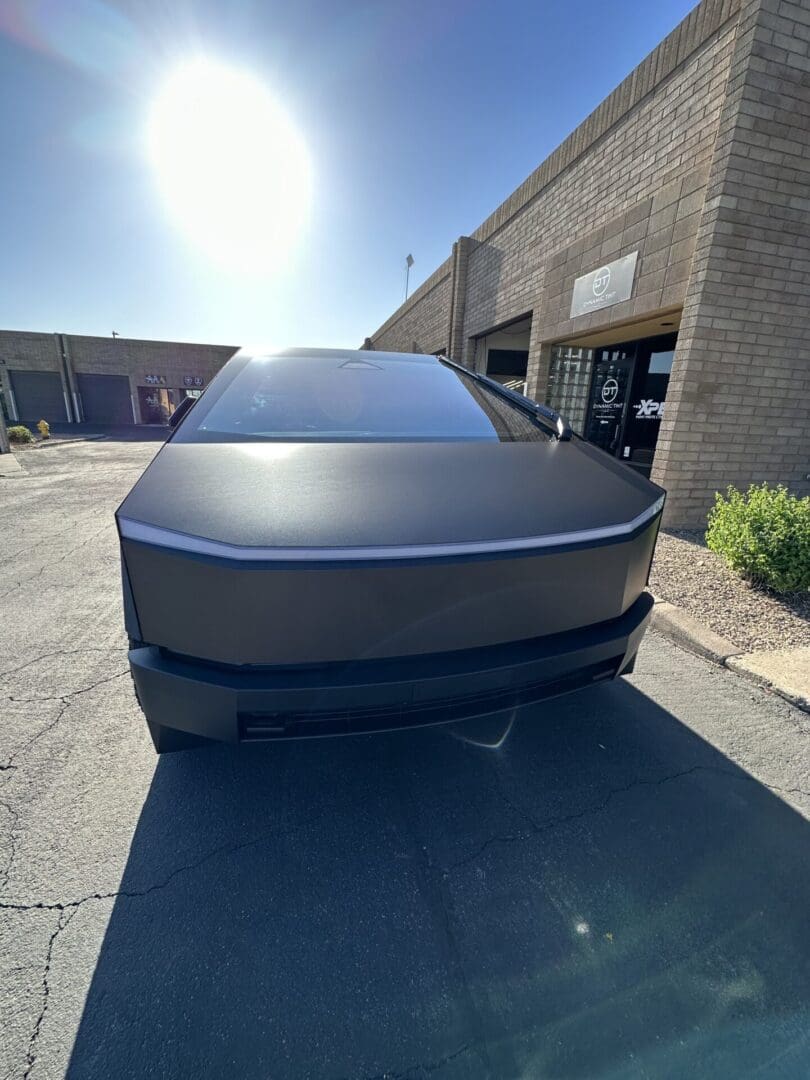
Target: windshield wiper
x: 544, y: 413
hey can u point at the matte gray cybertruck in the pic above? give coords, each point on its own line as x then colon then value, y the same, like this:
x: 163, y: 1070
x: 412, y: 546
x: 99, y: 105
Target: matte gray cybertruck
x: 335, y: 542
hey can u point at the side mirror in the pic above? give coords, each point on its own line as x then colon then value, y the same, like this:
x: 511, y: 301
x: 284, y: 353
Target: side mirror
x: 184, y: 407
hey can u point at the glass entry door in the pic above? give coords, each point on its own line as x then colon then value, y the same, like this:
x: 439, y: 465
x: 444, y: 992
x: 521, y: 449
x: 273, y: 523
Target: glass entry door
x: 611, y: 382
x: 654, y: 363
x: 626, y: 400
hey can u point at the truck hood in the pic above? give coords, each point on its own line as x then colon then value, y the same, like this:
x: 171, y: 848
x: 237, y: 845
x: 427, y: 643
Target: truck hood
x: 350, y: 495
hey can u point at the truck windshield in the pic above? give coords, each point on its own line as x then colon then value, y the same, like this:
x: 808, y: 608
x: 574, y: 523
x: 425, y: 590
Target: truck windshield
x: 331, y: 398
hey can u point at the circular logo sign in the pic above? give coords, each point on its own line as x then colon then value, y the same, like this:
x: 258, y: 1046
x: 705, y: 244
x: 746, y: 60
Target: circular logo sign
x: 610, y: 391
x: 601, y: 280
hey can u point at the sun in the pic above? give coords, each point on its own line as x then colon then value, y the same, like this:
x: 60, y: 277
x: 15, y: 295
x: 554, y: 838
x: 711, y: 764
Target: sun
x: 233, y: 170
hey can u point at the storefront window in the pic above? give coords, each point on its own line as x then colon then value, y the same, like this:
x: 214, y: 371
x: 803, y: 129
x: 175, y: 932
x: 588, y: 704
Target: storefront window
x: 568, y: 380
x: 156, y: 406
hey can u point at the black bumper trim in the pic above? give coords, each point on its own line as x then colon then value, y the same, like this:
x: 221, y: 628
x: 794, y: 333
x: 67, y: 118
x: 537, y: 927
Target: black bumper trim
x: 232, y: 704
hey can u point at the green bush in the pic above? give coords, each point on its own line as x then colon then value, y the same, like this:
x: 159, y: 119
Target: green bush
x: 763, y: 534
x: 20, y: 433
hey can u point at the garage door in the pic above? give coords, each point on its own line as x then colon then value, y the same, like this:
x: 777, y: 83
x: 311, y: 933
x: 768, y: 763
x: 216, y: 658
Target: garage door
x: 39, y: 396
x: 105, y: 399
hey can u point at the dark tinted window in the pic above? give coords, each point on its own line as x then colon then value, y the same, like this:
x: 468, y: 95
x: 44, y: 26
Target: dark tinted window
x: 331, y: 398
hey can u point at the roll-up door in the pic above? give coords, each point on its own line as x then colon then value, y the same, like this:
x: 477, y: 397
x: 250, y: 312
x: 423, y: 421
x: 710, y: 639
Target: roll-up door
x: 105, y: 399
x: 39, y: 396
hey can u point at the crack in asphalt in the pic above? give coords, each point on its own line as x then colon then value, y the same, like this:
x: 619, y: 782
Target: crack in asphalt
x: 67, y: 702
x: 15, y: 821
x: 515, y: 807
x: 73, y: 693
x: 10, y: 761
x: 435, y: 891
x: 134, y: 894
x: 48, y: 565
x: 59, y: 652
x: 445, y: 906
x: 424, y: 1067
x: 67, y: 909
x: 538, y: 827
x: 31, y: 1056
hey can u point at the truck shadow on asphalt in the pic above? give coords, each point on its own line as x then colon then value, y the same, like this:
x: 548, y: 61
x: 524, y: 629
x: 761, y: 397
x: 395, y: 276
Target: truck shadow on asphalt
x: 604, y: 894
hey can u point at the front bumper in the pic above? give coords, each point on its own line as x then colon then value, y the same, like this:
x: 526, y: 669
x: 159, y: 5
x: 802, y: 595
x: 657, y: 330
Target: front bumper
x: 257, y: 704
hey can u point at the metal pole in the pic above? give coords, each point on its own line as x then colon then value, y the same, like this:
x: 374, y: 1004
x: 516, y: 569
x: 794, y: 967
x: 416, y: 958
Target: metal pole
x: 407, y: 275
x: 5, y: 447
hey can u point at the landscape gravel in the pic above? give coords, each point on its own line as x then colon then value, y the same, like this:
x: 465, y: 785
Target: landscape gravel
x: 686, y: 573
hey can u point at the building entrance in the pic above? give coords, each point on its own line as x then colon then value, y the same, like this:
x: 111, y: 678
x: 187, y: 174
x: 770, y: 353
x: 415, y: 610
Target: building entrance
x: 626, y: 398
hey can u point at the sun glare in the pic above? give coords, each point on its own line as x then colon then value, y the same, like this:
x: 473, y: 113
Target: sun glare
x: 231, y: 167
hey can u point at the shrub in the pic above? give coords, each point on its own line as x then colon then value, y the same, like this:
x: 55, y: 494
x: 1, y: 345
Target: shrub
x: 763, y: 534
x: 20, y: 433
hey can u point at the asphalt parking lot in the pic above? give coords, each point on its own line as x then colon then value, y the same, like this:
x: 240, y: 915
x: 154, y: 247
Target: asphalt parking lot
x: 615, y: 885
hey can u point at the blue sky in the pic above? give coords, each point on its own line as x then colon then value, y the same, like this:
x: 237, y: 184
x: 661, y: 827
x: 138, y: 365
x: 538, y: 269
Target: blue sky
x: 418, y: 120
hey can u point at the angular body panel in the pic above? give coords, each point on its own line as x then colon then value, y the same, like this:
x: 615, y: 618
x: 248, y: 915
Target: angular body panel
x: 242, y: 613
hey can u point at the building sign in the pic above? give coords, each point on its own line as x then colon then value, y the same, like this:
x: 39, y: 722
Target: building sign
x: 155, y: 380
x: 605, y: 286
x: 610, y: 391
x: 649, y: 409
x: 193, y: 380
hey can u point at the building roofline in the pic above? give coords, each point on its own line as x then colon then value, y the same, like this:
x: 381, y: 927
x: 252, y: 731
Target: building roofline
x: 700, y: 25
x: 120, y: 340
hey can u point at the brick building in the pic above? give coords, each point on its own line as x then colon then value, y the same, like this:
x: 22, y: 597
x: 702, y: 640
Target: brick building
x: 660, y: 255
x: 65, y: 378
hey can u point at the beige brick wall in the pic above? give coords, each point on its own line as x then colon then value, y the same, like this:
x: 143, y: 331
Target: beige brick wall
x: 138, y: 358
x: 652, y: 133
x: 21, y: 350
x: 135, y: 358
x: 598, y: 203
x: 738, y: 406
x: 28, y: 351
x: 662, y: 228
x: 422, y: 324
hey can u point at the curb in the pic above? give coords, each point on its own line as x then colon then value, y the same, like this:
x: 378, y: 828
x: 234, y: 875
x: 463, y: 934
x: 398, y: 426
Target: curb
x: 685, y: 630
x: 9, y: 466
x: 15, y: 470
x: 46, y: 443
x: 751, y: 667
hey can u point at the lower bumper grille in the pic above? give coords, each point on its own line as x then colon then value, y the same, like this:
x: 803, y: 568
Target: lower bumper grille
x: 265, y: 726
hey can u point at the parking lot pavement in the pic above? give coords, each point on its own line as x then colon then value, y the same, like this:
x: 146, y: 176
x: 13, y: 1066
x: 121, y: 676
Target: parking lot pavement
x: 613, y: 885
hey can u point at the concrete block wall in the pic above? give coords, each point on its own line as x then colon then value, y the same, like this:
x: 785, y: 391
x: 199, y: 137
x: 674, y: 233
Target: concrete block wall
x: 663, y: 230
x: 138, y: 358
x: 647, y: 149
x: 134, y: 358
x: 738, y: 404
x: 654, y: 131
x: 28, y: 351
x: 422, y: 323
